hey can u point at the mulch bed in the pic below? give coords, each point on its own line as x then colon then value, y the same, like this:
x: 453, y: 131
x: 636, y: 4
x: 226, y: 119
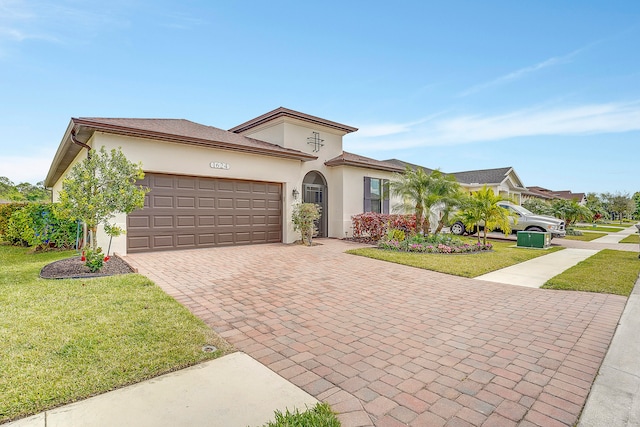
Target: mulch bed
x: 74, y: 268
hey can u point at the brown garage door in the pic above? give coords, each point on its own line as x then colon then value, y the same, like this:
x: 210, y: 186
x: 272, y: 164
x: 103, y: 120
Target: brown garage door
x: 186, y: 212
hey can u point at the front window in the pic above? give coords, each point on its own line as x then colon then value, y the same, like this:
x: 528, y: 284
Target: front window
x: 376, y: 197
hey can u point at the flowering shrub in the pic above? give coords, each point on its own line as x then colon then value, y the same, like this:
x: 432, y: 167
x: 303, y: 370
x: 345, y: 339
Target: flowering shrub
x: 433, y: 244
x: 376, y: 225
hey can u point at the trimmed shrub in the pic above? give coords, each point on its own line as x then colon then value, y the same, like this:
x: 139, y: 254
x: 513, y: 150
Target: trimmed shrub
x: 6, y: 210
x: 38, y: 225
x: 376, y: 225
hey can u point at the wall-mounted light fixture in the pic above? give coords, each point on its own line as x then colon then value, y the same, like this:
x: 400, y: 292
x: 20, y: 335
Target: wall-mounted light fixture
x: 295, y: 194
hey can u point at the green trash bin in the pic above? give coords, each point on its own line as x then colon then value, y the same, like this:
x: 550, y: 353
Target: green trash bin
x: 534, y: 239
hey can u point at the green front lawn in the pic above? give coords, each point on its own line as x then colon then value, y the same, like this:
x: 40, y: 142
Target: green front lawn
x: 468, y: 265
x: 632, y: 238
x: 586, y: 237
x: 64, y: 340
x: 599, y: 228
x: 595, y: 274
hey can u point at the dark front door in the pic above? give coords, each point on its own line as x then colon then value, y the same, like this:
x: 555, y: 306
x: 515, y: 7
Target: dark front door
x: 315, y: 193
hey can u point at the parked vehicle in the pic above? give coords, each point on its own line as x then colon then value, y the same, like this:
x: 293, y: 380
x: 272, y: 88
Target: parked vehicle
x: 525, y: 220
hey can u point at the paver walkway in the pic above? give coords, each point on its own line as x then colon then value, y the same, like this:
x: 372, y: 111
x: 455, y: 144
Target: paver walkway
x: 390, y: 345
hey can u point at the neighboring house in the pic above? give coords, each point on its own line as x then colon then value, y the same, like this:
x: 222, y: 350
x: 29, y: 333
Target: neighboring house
x: 546, y: 194
x: 213, y: 187
x: 503, y: 181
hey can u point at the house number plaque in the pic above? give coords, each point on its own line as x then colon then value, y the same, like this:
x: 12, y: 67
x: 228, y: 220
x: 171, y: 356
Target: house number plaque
x: 220, y: 165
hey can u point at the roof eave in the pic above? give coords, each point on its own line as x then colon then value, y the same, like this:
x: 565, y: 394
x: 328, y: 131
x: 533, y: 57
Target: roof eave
x: 342, y: 162
x: 122, y: 130
x: 285, y: 112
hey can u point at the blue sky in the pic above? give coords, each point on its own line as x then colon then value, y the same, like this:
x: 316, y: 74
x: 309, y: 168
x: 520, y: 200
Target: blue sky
x: 550, y: 88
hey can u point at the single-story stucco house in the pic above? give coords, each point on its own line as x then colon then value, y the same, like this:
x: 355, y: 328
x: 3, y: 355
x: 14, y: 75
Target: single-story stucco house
x: 213, y: 187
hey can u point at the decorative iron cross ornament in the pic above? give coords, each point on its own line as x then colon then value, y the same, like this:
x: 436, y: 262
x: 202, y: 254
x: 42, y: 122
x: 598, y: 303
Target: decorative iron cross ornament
x: 316, y: 141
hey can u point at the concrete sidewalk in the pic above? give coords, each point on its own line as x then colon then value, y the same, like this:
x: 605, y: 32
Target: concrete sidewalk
x: 232, y: 391
x: 616, y: 237
x: 614, y: 399
x: 535, y: 272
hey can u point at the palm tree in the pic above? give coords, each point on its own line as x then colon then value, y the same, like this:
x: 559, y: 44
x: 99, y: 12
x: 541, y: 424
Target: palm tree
x: 483, y: 206
x: 411, y: 186
x: 426, y: 194
x: 570, y: 211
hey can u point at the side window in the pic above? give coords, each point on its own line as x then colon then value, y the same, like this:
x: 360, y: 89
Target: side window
x: 376, y: 195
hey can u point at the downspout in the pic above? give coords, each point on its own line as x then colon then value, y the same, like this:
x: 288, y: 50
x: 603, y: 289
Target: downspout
x: 81, y: 144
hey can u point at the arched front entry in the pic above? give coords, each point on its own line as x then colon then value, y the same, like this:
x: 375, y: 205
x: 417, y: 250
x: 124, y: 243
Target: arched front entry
x: 314, y: 190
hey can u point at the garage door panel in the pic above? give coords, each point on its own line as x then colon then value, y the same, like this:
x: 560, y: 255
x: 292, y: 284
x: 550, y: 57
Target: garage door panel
x: 139, y: 243
x: 186, y: 183
x: 206, y: 202
x: 159, y: 201
x: 206, y: 239
x: 185, y: 202
x: 206, y: 221
x: 190, y: 212
x: 161, y: 181
x: 186, y: 221
x: 243, y: 187
x: 225, y: 203
x: 139, y: 222
x: 273, y: 205
x: 163, y: 241
x: 226, y: 186
x: 243, y: 220
x: 225, y: 220
x: 186, y: 240
x: 243, y: 204
x: 163, y: 221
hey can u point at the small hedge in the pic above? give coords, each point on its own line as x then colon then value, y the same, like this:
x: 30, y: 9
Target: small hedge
x: 433, y: 244
x: 376, y: 225
x: 40, y: 226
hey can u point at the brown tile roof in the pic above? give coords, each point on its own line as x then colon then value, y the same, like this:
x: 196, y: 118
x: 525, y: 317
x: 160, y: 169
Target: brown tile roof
x: 545, y: 193
x: 171, y: 130
x: 484, y: 176
x: 403, y: 165
x: 350, y: 159
x: 188, y: 132
x: 285, y: 112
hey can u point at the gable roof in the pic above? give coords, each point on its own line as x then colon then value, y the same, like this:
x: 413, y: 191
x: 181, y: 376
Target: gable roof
x: 171, y: 130
x: 403, y: 165
x: 545, y: 193
x: 483, y: 176
x: 350, y: 159
x: 285, y: 112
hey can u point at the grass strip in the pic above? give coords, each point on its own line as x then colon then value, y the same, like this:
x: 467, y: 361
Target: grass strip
x: 503, y: 255
x: 606, y: 229
x: 586, y: 237
x: 632, y: 238
x: 609, y: 272
x: 320, y: 415
x: 65, y: 340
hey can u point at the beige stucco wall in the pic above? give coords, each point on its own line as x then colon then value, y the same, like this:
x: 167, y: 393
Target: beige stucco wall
x: 353, y: 195
x: 345, y: 189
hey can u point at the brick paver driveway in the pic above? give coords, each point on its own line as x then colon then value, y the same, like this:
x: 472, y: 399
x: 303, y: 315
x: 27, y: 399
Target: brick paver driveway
x: 389, y: 345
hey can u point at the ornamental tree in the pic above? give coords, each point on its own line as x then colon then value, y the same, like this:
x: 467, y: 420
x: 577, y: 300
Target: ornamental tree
x: 99, y: 187
x: 304, y: 216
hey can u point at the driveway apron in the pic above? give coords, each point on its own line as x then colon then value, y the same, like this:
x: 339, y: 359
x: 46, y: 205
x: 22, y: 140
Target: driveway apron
x: 390, y: 345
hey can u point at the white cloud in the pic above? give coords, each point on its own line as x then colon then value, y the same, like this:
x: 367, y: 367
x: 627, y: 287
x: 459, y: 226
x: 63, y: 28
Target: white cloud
x: 522, y: 72
x: 568, y: 120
